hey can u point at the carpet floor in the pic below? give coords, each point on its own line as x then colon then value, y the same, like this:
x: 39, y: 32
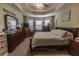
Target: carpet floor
x: 51, y: 53
x: 23, y: 50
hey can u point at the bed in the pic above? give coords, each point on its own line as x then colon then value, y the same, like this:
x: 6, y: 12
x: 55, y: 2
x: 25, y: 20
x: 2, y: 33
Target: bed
x: 51, y: 39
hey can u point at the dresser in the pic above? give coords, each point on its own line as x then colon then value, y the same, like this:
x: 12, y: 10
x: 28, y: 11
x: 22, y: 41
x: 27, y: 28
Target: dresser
x: 3, y: 44
x: 14, y: 39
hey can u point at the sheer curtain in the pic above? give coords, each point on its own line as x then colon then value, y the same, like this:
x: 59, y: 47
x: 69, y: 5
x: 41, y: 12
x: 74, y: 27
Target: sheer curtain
x: 38, y: 24
x: 31, y: 24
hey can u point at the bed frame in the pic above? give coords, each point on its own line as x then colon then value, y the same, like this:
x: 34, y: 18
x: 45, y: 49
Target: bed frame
x: 60, y: 47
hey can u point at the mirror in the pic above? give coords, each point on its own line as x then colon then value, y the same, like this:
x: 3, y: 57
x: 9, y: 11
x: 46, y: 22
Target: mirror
x: 10, y: 23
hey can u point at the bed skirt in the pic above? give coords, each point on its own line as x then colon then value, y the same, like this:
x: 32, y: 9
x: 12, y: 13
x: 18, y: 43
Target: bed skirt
x: 49, y: 48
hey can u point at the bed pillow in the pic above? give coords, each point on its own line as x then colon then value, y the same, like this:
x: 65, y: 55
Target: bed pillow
x: 60, y: 33
x: 54, y: 30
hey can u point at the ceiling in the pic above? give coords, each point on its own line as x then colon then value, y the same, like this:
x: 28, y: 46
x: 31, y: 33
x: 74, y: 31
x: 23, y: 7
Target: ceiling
x: 39, y: 9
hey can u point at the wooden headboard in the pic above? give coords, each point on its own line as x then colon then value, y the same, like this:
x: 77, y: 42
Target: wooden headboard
x: 72, y: 30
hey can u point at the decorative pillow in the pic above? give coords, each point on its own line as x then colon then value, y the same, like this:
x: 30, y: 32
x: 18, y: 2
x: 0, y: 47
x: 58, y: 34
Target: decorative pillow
x: 54, y: 30
x: 59, y: 32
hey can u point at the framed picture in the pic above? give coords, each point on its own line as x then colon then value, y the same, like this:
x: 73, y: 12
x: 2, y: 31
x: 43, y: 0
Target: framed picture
x: 66, y: 15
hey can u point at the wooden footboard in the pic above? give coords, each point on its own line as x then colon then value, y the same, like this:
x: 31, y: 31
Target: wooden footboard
x: 31, y: 44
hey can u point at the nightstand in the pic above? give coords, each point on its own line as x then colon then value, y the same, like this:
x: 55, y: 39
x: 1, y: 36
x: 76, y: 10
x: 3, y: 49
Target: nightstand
x: 74, y: 47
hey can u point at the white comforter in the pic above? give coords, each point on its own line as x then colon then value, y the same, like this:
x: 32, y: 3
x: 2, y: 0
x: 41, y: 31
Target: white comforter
x: 46, y: 35
x: 47, y: 38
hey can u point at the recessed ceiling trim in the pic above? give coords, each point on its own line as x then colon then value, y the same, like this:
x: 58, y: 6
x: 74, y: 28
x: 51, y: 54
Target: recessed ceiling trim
x: 54, y: 7
x: 34, y: 15
x: 19, y: 6
x: 38, y: 8
x: 61, y: 5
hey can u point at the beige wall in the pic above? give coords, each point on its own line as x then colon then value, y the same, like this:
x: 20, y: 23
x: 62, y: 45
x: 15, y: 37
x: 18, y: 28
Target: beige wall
x: 12, y: 9
x: 74, y: 18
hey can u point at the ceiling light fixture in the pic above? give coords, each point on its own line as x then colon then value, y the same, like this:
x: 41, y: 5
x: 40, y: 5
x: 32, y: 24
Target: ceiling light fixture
x: 39, y: 6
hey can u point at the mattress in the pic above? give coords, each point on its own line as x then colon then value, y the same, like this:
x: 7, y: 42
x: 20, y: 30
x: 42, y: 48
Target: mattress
x: 47, y: 39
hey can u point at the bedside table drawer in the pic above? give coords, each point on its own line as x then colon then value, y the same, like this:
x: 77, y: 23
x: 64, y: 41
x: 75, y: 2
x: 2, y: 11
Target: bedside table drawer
x: 74, y: 47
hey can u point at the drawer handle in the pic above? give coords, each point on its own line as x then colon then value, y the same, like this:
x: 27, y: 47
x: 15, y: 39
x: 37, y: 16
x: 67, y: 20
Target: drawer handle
x: 1, y: 35
x: 1, y: 41
x: 2, y: 47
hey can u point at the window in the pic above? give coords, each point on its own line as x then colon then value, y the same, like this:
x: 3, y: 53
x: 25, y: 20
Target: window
x: 39, y: 24
x: 47, y: 22
x: 30, y: 24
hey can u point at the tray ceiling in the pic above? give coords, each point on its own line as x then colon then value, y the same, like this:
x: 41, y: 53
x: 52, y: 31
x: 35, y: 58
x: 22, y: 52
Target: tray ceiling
x: 39, y: 8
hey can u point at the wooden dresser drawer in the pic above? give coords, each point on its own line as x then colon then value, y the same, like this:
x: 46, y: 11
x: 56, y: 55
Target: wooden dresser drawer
x: 2, y: 42
x: 2, y: 47
x: 3, y: 37
x: 3, y: 52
